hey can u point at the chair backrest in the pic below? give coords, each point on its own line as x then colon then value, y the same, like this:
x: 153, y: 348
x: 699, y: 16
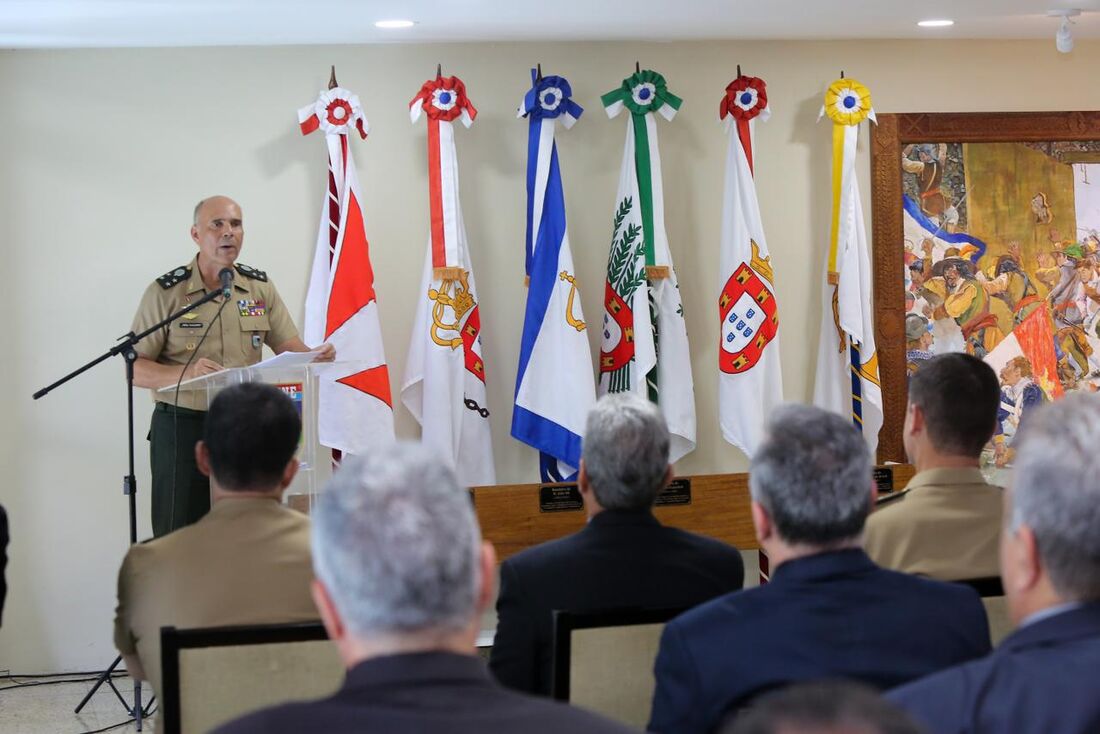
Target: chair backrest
x: 603, y: 661
x: 215, y: 674
x: 992, y: 592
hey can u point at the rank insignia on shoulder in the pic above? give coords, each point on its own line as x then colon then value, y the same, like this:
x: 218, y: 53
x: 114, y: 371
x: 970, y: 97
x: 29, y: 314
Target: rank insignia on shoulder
x: 174, y: 277
x: 250, y: 272
x: 889, y: 498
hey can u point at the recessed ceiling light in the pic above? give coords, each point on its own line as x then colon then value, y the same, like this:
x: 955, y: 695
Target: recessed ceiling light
x: 390, y: 24
x: 938, y: 23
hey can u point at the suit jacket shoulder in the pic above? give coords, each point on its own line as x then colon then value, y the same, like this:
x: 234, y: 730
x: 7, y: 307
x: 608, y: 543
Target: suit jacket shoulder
x: 623, y: 543
x: 427, y: 693
x: 1042, y: 678
x: 831, y: 615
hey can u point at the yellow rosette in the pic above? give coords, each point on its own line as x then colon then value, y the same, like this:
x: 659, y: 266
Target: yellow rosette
x: 847, y: 102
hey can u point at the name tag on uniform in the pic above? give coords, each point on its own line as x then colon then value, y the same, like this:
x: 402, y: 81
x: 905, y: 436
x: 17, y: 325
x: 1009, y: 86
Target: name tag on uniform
x: 190, y: 324
x: 250, y: 307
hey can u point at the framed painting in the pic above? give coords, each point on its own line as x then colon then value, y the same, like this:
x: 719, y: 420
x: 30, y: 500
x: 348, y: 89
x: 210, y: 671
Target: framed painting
x: 986, y: 239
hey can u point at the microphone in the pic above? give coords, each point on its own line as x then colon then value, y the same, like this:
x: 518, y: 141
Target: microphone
x: 226, y: 277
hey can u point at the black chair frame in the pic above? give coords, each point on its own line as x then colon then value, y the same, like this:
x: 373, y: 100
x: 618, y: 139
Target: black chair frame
x: 173, y: 640
x: 988, y: 586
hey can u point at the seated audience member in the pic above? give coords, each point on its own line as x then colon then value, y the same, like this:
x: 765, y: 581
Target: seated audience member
x: 402, y: 580
x: 829, y: 611
x: 247, y: 561
x: 827, y: 707
x: 623, y: 558
x: 947, y: 525
x: 1042, y: 677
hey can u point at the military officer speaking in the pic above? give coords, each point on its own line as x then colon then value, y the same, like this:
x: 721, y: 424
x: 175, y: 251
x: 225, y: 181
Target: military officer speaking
x: 255, y: 316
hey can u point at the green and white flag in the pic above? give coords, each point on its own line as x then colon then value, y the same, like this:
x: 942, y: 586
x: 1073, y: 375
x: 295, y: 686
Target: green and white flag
x: 645, y: 348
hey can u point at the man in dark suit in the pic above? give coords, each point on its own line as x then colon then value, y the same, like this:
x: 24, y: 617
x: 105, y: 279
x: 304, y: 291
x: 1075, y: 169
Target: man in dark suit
x: 402, y: 580
x: 623, y: 558
x: 828, y: 612
x: 1042, y: 677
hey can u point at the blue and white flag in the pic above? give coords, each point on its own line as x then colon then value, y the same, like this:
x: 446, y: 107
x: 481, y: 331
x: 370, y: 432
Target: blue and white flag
x: 555, y: 387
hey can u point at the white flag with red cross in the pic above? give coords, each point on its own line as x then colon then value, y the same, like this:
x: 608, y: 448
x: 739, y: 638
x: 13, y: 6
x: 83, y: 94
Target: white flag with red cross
x: 355, y: 412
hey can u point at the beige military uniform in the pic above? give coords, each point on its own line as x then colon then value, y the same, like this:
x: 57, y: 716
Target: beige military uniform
x: 246, y: 562
x: 946, y: 526
x: 256, y: 316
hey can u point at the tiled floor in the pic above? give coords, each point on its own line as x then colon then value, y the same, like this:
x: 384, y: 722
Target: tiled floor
x: 48, y: 709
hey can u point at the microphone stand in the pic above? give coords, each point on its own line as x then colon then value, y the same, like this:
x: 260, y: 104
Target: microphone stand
x: 125, y: 347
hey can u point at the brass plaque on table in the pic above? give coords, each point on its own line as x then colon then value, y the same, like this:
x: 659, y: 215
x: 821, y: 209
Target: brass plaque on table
x: 678, y: 492
x: 560, y: 498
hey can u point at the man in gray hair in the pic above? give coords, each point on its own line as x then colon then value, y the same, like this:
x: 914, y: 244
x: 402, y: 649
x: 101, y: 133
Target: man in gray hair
x: 623, y: 558
x: 828, y: 611
x: 1042, y: 677
x: 402, y: 579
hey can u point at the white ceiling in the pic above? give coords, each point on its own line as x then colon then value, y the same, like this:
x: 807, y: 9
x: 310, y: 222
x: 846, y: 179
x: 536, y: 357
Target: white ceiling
x: 110, y: 23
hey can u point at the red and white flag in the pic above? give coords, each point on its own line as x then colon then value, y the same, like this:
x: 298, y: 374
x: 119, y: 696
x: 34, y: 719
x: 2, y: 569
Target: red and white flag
x: 444, y: 385
x: 355, y: 406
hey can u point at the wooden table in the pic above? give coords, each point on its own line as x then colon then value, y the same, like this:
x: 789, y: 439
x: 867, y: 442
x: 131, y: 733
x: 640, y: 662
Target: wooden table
x: 511, y: 517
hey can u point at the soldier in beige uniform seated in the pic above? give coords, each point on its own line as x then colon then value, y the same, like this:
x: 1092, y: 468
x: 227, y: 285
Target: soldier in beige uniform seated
x: 248, y: 560
x: 214, y: 336
x: 947, y: 523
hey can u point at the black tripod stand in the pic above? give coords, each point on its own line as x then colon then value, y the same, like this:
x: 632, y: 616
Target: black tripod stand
x: 125, y: 347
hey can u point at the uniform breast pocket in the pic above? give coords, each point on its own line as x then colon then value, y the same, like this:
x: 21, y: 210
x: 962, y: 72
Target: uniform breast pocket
x: 253, y: 333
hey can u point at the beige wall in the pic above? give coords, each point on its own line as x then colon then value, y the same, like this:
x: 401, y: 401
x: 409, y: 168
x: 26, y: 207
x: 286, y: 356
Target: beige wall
x: 103, y: 153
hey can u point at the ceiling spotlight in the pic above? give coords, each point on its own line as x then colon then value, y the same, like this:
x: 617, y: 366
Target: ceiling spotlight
x: 1063, y: 39
x: 391, y: 24
x: 937, y: 23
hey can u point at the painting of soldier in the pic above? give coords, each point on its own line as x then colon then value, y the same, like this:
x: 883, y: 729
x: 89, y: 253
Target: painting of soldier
x: 1002, y: 261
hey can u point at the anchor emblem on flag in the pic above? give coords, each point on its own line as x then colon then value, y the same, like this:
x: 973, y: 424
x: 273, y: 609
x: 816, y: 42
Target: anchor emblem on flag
x: 570, y: 319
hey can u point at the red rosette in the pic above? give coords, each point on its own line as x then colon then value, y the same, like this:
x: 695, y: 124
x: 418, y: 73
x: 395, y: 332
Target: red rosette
x: 745, y: 98
x: 339, y: 112
x: 444, y: 99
